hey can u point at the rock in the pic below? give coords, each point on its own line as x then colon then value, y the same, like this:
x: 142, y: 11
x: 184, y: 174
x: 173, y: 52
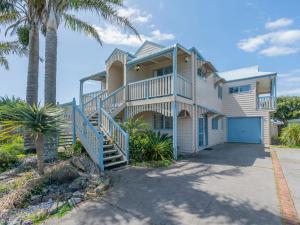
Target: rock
x: 78, y: 194
x: 78, y: 184
x: 27, y: 222
x: 76, y: 161
x: 101, y: 188
x: 35, y: 199
x: 74, y: 201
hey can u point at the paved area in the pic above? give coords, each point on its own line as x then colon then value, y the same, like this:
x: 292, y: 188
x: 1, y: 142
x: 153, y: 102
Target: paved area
x: 232, y: 184
x: 290, y: 164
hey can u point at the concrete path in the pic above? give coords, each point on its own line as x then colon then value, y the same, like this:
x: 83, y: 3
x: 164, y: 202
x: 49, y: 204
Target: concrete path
x: 290, y: 163
x: 232, y: 184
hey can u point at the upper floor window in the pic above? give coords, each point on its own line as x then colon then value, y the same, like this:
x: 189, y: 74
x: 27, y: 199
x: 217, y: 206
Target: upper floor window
x: 220, y: 92
x: 162, y: 122
x: 240, y: 89
x: 215, y: 123
x: 163, y: 71
x: 201, y: 74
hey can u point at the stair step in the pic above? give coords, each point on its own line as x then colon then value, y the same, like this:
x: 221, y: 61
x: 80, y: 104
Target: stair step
x: 110, y: 151
x: 114, y: 163
x: 112, y: 157
x: 108, y: 146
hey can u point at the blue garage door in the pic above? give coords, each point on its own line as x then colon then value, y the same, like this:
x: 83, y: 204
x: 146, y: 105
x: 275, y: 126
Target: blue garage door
x: 244, y: 129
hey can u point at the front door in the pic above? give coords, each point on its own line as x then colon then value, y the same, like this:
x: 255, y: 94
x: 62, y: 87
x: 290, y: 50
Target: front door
x: 201, y: 132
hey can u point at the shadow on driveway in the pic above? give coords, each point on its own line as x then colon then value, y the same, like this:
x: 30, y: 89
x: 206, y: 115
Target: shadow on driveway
x: 216, y: 187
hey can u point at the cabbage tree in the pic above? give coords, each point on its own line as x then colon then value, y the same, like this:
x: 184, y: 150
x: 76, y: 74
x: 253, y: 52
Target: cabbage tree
x: 38, y: 121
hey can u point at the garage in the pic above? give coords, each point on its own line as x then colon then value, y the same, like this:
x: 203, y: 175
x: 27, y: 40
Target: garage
x: 244, y: 130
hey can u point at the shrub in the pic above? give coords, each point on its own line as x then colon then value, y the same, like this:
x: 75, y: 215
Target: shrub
x: 61, y: 174
x: 11, y: 152
x: 290, y: 135
x: 145, y: 144
x: 157, y: 146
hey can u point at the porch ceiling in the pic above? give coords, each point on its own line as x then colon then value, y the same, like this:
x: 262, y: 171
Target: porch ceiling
x: 96, y: 77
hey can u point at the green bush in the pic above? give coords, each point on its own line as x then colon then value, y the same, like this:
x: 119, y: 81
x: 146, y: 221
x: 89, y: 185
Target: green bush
x: 11, y: 152
x: 145, y: 144
x: 290, y: 135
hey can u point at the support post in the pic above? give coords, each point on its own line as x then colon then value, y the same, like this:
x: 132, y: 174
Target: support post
x: 80, y: 95
x: 73, y: 121
x: 174, y: 109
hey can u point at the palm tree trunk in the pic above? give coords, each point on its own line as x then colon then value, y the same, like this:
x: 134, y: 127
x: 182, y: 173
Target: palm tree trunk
x: 32, y: 75
x: 40, y: 154
x: 50, y: 80
x: 50, y: 66
x: 33, y: 66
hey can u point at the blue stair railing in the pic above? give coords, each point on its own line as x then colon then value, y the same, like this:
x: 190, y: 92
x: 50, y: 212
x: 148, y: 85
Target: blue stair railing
x: 114, y: 101
x: 89, y: 107
x: 91, y: 139
x: 112, y: 129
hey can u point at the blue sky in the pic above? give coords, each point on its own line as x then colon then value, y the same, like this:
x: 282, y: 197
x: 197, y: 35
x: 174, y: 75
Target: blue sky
x: 231, y: 34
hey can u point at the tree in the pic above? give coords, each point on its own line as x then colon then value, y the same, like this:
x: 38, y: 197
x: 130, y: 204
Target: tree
x: 40, y: 122
x: 7, y: 48
x: 24, y: 18
x: 56, y: 11
x: 288, y: 108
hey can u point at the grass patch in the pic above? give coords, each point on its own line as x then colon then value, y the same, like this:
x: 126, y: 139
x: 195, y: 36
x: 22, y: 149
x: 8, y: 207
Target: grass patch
x: 5, y: 188
x: 40, y: 218
x: 153, y: 164
x: 288, y: 146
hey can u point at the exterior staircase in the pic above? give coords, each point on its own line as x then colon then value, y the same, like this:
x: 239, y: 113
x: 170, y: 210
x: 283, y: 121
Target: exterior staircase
x: 102, y: 137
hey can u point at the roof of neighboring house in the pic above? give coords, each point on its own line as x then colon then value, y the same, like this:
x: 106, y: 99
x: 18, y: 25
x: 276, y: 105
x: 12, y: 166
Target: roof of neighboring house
x: 244, y: 73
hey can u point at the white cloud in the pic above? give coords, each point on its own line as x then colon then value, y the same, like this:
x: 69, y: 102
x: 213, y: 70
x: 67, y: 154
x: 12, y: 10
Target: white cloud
x: 282, y: 22
x: 294, y: 72
x: 284, y: 42
x: 278, y: 51
x: 291, y: 91
x: 276, y: 38
x: 135, y: 15
x: 113, y: 35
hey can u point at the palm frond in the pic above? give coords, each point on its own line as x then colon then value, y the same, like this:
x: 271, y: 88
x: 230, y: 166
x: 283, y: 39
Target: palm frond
x: 76, y: 24
x: 107, y: 9
x: 44, y: 120
x: 13, y: 47
x: 4, y: 62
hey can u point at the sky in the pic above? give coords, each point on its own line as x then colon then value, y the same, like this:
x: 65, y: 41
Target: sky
x: 229, y: 33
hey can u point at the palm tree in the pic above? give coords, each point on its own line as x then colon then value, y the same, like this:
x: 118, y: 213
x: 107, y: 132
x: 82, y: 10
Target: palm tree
x: 55, y: 11
x: 7, y: 48
x: 18, y: 14
x: 36, y: 120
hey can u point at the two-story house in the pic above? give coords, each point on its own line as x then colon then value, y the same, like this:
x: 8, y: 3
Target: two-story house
x: 176, y: 91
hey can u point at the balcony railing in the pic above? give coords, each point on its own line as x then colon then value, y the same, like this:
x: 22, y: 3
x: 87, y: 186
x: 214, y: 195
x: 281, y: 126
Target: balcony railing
x: 268, y: 102
x: 159, y: 87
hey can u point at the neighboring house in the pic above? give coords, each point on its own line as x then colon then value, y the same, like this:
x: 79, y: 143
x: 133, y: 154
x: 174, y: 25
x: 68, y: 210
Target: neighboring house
x: 176, y: 91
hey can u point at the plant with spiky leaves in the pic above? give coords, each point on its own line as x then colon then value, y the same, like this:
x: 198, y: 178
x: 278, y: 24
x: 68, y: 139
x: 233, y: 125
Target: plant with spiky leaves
x: 40, y: 122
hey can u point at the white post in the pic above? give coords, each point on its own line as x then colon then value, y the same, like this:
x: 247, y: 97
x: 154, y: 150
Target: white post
x: 174, y: 109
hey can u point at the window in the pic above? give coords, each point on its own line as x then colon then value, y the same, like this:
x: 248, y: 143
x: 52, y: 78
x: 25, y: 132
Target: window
x: 214, y: 123
x: 220, y: 92
x: 201, y: 74
x: 161, y: 122
x: 163, y: 71
x: 240, y: 89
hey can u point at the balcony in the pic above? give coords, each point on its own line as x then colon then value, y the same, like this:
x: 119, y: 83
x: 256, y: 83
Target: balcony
x: 159, y: 87
x: 266, y: 103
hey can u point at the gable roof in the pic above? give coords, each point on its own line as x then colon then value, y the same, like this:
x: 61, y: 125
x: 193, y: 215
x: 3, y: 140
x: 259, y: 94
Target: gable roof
x: 148, y: 43
x: 244, y: 73
x: 119, y: 50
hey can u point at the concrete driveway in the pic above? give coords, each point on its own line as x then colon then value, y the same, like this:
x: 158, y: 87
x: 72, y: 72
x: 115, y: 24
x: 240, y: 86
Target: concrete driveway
x: 232, y: 184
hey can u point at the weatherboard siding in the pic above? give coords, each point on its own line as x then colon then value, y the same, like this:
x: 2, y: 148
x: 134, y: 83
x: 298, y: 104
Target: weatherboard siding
x: 244, y: 105
x: 148, y: 49
x: 185, y: 135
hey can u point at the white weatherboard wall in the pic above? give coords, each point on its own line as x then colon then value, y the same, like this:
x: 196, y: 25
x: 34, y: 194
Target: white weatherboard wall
x: 215, y: 136
x: 148, y: 49
x: 244, y: 105
x: 184, y: 134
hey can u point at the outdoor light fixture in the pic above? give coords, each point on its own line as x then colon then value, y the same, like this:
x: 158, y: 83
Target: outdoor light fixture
x: 186, y: 59
x: 137, y: 67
